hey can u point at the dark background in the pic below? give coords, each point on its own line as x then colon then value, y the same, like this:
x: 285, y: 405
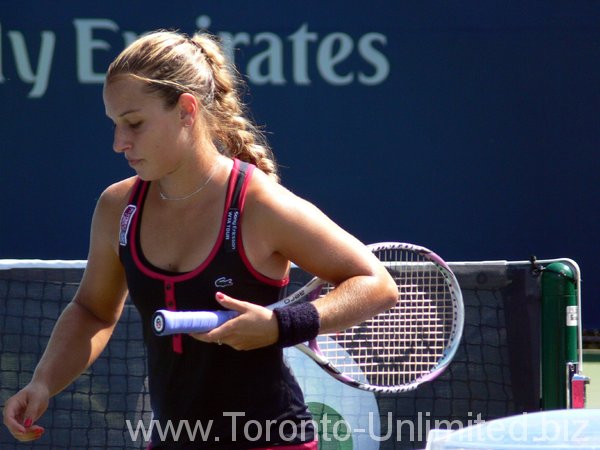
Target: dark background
x: 481, y: 142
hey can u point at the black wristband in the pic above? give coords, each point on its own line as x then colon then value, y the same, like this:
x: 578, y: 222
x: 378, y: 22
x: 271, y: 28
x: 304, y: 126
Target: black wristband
x: 297, y: 324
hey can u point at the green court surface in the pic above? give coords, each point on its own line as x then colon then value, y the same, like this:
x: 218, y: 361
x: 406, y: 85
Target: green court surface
x: 591, y: 369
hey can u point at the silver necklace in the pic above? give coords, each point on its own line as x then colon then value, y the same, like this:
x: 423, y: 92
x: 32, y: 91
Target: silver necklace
x: 163, y: 196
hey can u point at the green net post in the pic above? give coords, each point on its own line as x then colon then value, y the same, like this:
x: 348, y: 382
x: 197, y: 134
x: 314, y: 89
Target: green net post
x: 559, y: 334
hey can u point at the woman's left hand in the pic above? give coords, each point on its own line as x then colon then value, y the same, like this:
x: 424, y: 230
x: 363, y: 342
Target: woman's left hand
x: 254, y: 328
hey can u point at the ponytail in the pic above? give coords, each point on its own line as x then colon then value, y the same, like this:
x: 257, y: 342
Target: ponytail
x: 232, y: 128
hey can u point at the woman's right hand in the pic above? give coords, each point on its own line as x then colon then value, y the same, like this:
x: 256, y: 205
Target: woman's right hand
x: 23, y: 409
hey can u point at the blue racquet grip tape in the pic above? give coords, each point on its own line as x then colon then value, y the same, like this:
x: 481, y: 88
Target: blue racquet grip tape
x: 166, y: 322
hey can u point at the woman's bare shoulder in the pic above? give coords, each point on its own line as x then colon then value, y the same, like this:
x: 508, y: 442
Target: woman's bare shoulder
x: 119, y: 192
x: 111, y: 204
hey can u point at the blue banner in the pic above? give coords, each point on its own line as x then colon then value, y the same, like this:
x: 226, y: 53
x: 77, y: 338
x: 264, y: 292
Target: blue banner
x: 469, y: 127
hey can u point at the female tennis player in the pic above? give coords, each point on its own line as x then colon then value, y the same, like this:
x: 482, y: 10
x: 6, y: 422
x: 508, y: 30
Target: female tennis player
x: 204, y: 225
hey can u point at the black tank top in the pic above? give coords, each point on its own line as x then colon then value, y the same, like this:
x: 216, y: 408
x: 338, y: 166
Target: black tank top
x: 193, y: 381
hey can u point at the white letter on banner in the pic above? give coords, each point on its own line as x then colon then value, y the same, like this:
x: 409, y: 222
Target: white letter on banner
x: 86, y: 46
x: 327, y: 59
x: 273, y: 56
x: 231, y: 41
x: 375, y: 57
x: 300, y: 40
x: 41, y: 76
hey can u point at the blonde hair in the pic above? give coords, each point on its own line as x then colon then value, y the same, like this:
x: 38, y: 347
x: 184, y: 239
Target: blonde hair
x: 172, y: 63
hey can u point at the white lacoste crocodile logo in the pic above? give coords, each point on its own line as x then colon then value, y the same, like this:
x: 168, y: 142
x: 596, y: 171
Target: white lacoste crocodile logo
x: 223, y: 282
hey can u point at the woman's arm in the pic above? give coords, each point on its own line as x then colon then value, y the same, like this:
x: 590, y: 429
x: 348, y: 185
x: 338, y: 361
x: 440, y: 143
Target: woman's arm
x: 83, y: 328
x: 303, y: 234
x: 278, y: 227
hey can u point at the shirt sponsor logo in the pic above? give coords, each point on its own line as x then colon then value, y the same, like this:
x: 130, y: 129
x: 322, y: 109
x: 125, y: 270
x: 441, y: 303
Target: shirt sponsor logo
x: 231, y: 229
x: 223, y: 282
x: 126, y: 219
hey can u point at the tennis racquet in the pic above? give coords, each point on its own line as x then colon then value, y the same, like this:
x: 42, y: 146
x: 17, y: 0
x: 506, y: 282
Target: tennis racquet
x: 396, y: 350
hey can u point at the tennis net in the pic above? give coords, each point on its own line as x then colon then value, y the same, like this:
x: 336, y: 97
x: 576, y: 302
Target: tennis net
x: 495, y: 372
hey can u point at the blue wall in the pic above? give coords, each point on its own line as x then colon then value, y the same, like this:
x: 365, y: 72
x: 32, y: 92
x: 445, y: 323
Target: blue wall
x: 470, y: 127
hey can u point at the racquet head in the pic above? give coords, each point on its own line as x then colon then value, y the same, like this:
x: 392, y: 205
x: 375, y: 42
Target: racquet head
x: 409, y: 344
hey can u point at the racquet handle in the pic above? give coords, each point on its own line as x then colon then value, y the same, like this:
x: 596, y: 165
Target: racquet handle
x: 166, y: 322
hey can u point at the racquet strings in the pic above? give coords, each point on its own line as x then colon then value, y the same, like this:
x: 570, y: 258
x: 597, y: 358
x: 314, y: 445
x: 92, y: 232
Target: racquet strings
x: 405, y: 343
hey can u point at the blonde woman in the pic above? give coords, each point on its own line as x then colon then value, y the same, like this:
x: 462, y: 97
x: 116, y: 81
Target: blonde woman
x: 203, y: 225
